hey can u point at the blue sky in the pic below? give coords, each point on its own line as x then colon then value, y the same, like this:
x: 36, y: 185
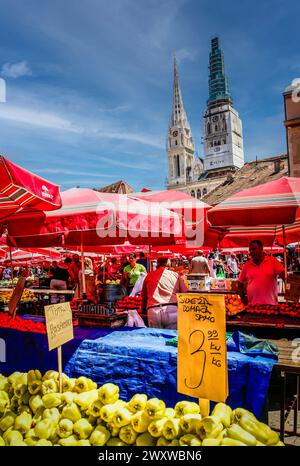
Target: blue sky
x: 89, y: 82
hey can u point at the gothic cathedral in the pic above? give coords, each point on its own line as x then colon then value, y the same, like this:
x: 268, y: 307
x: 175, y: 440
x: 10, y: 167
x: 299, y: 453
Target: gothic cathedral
x: 222, y: 135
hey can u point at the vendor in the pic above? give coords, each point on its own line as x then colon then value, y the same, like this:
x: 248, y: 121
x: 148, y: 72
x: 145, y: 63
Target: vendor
x: 159, y: 295
x: 257, y: 282
x: 131, y: 273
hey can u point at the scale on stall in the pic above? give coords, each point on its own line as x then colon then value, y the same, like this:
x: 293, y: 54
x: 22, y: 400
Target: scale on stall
x: 103, y: 314
x: 198, y: 282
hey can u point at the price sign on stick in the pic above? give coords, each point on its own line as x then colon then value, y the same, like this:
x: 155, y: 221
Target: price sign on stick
x: 59, y: 325
x: 202, y: 358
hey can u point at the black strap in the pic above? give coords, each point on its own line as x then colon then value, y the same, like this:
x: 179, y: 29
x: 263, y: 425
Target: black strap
x: 162, y: 305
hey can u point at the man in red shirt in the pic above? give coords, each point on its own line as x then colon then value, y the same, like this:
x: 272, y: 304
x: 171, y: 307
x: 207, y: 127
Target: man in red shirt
x: 257, y: 282
x: 159, y: 295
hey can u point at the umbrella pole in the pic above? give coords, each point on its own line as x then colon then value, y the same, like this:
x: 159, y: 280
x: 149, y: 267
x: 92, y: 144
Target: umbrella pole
x: 104, y: 268
x: 284, y: 253
x: 150, y: 261
x: 83, y: 271
x: 11, y: 265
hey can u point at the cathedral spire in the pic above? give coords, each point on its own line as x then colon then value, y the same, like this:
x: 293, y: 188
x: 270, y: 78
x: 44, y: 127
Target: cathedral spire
x: 178, y: 113
x: 180, y: 146
x: 218, y: 81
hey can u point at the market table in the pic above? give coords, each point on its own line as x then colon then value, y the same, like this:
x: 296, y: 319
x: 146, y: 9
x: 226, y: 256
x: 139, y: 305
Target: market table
x: 288, y: 364
x: 265, y: 326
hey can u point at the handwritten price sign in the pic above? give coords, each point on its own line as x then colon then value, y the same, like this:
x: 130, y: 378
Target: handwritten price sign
x: 202, y: 360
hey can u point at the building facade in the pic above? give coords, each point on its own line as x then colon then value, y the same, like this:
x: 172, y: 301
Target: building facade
x: 292, y: 125
x: 222, y: 135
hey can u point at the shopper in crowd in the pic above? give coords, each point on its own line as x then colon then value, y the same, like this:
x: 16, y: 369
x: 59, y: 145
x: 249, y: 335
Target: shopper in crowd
x: 59, y: 279
x: 113, y: 268
x: 159, y: 295
x: 7, y: 273
x: 212, y: 265
x: 124, y: 262
x: 257, y: 282
x: 199, y: 264
x: 220, y: 269
x: 74, y: 268
x: 233, y: 268
x: 131, y: 273
x: 88, y: 277
x: 143, y: 260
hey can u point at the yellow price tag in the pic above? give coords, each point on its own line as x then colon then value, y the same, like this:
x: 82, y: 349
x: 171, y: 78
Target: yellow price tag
x: 202, y: 356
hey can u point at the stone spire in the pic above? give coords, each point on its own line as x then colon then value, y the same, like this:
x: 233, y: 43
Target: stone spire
x: 180, y: 146
x: 178, y: 117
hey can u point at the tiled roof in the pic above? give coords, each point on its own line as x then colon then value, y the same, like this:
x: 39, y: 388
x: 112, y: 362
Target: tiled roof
x: 251, y: 174
x: 120, y: 187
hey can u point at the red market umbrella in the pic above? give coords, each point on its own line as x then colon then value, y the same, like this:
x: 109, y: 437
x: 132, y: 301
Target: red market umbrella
x: 240, y: 236
x: 34, y: 253
x: 21, y: 189
x: 91, y: 218
x: 193, y: 211
x: 273, y: 203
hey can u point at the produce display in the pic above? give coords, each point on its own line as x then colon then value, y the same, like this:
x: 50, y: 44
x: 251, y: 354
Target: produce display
x: 233, y: 305
x: 24, y: 325
x: 113, y: 282
x: 134, y: 302
x: 27, y: 296
x: 33, y: 412
x: 281, y: 309
x: 8, y: 283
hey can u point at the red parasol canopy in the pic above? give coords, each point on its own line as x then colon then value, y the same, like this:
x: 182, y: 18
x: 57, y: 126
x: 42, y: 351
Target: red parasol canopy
x: 274, y: 203
x: 20, y: 189
x: 191, y: 209
x: 94, y: 218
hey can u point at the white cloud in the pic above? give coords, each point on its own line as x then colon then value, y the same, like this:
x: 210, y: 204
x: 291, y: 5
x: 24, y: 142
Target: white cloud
x: 16, y: 70
x: 36, y: 118
x: 61, y: 170
x: 185, y: 54
x: 105, y: 129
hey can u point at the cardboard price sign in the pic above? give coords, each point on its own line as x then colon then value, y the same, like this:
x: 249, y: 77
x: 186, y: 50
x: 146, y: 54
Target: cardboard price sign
x: 292, y: 292
x: 59, y: 324
x: 202, y: 357
x: 16, y: 296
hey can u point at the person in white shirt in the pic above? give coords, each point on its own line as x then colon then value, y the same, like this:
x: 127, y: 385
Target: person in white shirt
x: 233, y: 266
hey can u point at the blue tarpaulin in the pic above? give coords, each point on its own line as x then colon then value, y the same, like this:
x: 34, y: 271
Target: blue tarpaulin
x: 139, y: 361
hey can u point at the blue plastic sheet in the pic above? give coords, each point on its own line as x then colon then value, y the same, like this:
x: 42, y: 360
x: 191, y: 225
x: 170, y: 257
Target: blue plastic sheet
x: 141, y: 362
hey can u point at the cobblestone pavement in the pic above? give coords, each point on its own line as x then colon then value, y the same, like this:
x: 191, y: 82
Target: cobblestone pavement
x: 274, y: 422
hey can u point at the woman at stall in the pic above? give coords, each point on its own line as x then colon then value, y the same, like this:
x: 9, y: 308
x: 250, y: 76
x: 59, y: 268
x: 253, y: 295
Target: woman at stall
x: 131, y: 273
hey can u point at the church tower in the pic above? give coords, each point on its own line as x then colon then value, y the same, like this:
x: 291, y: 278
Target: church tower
x: 180, y: 146
x: 222, y: 127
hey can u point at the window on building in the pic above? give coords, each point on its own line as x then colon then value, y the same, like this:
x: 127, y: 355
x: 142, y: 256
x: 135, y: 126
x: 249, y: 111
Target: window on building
x: 178, y: 165
x: 208, y: 128
x: 216, y: 127
x: 219, y: 143
x: 175, y: 142
x: 224, y: 141
x: 193, y: 193
x: 199, y: 193
x: 204, y: 191
x: 211, y: 144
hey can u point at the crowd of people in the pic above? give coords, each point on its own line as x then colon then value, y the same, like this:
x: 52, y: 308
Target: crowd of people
x: 159, y: 281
